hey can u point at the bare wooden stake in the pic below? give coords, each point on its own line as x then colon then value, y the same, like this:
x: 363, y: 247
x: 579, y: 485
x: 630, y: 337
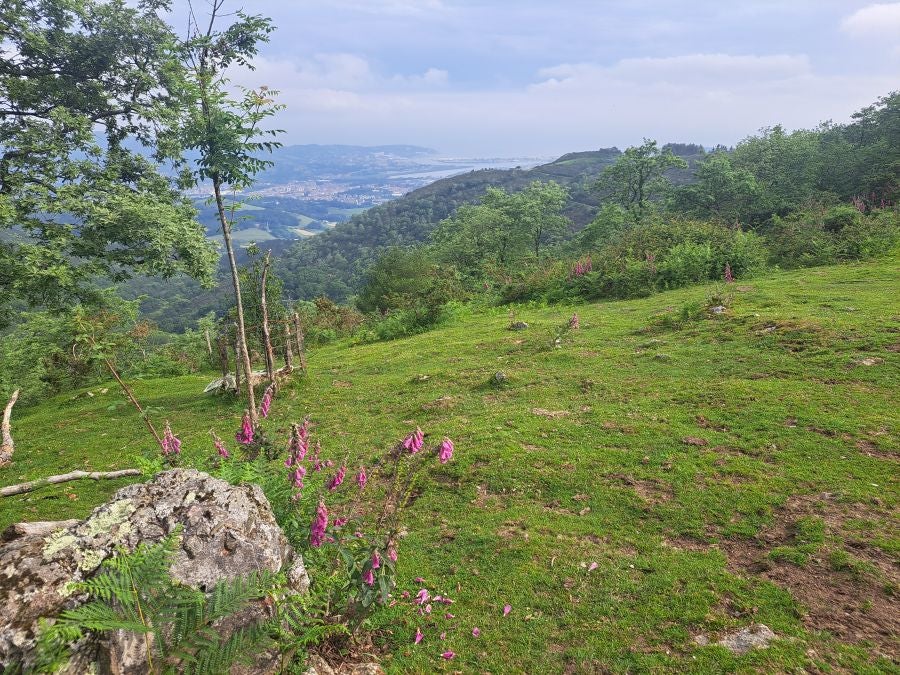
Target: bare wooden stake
x: 7, y: 447
x: 208, y: 344
x: 288, y: 352
x: 267, y: 338
x: 298, y: 336
x: 65, y: 478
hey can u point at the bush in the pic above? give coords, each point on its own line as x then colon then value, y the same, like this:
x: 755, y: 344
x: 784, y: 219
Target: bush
x: 663, y: 255
x: 820, y: 236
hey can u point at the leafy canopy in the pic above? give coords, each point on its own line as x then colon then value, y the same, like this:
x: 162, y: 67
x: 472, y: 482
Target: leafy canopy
x: 89, y: 94
x: 638, y: 176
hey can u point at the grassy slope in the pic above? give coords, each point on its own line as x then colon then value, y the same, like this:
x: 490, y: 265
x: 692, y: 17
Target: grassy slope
x: 530, y: 498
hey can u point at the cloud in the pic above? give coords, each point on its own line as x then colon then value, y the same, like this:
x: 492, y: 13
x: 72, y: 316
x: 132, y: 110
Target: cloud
x: 704, y: 98
x: 693, y: 68
x: 881, y: 20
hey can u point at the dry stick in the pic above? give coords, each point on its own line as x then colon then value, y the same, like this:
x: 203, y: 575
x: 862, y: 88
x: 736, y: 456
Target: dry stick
x: 208, y: 344
x: 301, y: 347
x: 267, y: 339
x: 288, y: 352
x: 135, y: 403
x: 65, y: 478
x: 7, y: 447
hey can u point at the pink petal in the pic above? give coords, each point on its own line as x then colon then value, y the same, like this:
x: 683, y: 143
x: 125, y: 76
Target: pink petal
x: 448, y: 615
x: 476, y: 631
x: 507, y: 609
x: 448, y: 655
x: 593, y: 567
x: 419, y: 636
x: 443, y: 636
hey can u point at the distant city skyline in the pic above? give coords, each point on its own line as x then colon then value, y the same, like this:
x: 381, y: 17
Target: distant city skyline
x: 535, y: 78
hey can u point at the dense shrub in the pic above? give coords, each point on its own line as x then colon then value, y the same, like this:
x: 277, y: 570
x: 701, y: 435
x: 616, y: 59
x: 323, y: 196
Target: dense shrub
x: 670, y: 254
x: 821, y: 236
x: 325, y: 321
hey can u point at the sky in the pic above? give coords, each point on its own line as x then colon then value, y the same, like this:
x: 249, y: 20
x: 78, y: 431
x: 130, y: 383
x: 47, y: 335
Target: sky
x: 529, y: 78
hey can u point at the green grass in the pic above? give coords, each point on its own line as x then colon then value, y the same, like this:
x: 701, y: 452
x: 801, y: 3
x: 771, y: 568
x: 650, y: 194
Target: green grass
x: 580, y: 458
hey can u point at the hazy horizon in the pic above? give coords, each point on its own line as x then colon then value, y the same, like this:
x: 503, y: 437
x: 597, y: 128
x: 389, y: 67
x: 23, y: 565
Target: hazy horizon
x: 539, y: 79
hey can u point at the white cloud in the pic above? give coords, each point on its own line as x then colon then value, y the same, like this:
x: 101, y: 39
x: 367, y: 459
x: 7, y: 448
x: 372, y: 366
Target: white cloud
x: 704, y: 98
x: 689, y: 69
x: 881, y: 20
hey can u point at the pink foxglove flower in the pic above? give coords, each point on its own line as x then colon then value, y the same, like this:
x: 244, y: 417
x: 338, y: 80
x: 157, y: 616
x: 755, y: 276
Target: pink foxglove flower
x: 574, y: 322
x: 592, y: 567
x: 298, y: 445
x: 419, y: 636
x: 476, y: 631
x: 338, y: 479
x: 361, y: 477
x: 729, y: 277
x: 392, y: 552
x: 220, y: 445
x: 266, y: 401
x: 376, y: 560
x: 414, y: 441
x: 446, y: 451
x: 369, y: 577
x: 317, y: 463
x: 507, y: 609
x: 244, y: 435
x: 297, y: 476
x: 171, y: 445
x: 448, y: 655
x: 317, y: 529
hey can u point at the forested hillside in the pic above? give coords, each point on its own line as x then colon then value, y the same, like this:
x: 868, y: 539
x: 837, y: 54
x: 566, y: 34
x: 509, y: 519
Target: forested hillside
x: 332, y: 263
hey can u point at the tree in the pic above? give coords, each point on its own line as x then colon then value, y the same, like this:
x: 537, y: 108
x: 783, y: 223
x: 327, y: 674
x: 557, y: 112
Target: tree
x: 719, y: 191
x: 637, y: 177
x: 226, y: 131
x: 537, y: 211
x: 503, y: 228
x: 88, y: 96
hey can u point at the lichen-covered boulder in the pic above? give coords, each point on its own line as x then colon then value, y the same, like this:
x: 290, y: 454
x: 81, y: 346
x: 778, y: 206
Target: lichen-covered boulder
x: 228, y: 532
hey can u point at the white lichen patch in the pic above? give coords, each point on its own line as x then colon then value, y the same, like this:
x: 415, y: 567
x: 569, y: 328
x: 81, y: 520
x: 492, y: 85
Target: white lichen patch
x: 118, y: 512
x: 66, y: 589
x: 90, y: 560
x: 56, y: 542
x: 190, y: 498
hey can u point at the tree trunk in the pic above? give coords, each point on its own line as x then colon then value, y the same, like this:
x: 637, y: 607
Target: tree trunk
x: 208, y: 344
x: 238, y: 367
x: 65, y: 478
x: 267, y: 337
x: 239, y: 305
x: 7, y: 446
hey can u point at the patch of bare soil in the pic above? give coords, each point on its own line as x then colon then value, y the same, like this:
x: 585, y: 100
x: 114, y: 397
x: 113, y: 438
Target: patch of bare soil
x: 853, y: 607
x: 870, y: 449
x: 653, y: 492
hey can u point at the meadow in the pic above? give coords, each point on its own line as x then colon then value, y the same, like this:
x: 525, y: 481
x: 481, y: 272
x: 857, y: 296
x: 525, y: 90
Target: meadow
x: 676, y: 468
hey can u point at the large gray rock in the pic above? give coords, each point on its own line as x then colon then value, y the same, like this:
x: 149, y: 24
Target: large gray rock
x: 228, y: 532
